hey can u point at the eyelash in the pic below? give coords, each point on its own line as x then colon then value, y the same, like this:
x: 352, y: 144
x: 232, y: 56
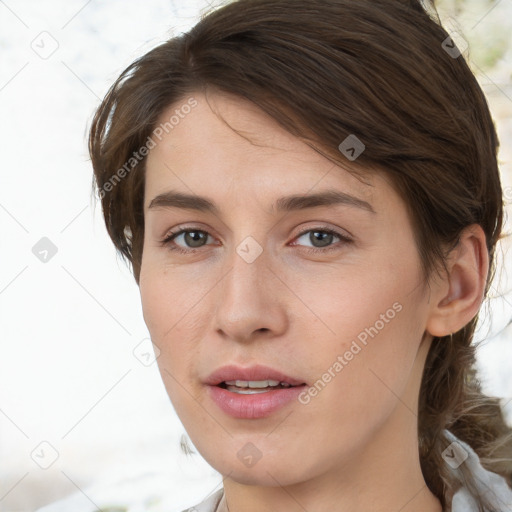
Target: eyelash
x: 167, y: 241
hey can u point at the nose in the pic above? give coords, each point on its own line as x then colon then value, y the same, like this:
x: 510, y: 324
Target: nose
x: 251, y: 300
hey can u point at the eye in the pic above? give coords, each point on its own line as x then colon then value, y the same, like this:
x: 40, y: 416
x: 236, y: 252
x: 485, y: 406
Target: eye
x: 321, y: 239
x: 194, y: 237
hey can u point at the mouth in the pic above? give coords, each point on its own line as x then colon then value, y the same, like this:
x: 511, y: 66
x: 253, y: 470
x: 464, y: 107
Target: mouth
x: 252, y: 387
x: 254, y: 392
x: 256, y: 377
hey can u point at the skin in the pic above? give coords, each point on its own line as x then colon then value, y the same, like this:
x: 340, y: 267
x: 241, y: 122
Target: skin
x: 354, y: 445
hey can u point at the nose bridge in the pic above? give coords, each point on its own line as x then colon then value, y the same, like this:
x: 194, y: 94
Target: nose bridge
x: 245, y: 282
x: 247, y: 299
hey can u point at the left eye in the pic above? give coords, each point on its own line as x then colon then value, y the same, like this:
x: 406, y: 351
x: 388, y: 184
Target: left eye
x: 324, y: 237
x: 195, y: 239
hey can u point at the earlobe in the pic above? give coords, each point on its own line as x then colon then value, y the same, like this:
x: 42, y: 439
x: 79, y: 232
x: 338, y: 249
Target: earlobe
x: 456, y: 300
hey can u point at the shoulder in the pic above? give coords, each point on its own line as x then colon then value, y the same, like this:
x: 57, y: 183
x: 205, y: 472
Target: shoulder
x: 209, y: 504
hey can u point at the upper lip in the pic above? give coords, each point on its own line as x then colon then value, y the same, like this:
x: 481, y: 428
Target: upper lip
x: 257, y: 372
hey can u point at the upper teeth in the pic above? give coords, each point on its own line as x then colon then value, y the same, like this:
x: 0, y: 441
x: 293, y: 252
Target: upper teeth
x: 255, y: 383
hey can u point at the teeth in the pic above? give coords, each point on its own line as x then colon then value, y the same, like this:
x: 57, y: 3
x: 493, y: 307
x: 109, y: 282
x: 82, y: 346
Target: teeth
x: 246, y: 391
x: 258, y: 384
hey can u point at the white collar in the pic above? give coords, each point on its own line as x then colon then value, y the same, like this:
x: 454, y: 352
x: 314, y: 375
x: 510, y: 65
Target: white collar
x: 489, y: 485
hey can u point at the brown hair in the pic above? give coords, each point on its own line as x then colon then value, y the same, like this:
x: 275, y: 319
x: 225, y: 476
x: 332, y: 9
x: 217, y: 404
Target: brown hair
x: 327, y: 69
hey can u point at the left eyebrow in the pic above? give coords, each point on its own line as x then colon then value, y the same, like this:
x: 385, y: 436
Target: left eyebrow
x: 295, y: 202
x: 324, y: 198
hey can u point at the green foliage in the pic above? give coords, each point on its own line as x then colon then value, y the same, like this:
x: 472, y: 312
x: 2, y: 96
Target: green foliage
x: 485, y: 24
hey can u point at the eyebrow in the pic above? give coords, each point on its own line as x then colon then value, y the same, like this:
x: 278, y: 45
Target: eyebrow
x: 172, y: 199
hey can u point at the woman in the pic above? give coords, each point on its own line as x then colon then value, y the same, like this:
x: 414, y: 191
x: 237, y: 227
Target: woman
x: 309, y: 197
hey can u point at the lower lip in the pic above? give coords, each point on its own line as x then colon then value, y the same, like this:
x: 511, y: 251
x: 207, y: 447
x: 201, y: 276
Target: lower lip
x: 253, y: 406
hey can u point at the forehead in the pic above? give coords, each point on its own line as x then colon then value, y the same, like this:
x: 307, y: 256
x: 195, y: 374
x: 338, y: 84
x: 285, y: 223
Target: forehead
x: 227, y: 144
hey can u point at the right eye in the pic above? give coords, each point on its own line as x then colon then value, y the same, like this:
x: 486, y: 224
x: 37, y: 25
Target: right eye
x: 193, y: 237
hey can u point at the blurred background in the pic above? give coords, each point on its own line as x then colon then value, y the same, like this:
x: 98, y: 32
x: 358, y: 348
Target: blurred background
x: 84, y: 417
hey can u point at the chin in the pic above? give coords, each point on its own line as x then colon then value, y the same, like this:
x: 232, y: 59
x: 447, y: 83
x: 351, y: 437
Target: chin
x: 267, y: 471
x: 263, y: 477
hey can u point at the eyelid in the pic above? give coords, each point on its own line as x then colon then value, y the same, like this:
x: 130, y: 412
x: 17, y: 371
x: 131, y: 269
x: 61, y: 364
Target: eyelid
x: 179, y: 230
x: 184, y: 227
x: 344, y: 239
x: 319, y: 226
x: 170, y: 235
x: 342, y: 233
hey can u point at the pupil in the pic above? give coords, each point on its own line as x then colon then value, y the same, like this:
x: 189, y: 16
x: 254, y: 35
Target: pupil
x: 324, y: 237
x: 192, y: 240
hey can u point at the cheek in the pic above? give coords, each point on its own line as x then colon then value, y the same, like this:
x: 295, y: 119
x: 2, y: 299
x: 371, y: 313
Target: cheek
x: 347, y: 304
x: 174, y: 308
x: 164, y: 313
x: 156, y: 301
x: 165, y: 317
x: 166, y: 299
x: 366, y: 331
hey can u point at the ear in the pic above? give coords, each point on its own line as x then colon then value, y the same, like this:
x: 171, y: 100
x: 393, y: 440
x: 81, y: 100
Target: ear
x: 456, y: 300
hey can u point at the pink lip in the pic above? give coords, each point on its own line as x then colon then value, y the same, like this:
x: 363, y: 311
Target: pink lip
x: 251, y: 406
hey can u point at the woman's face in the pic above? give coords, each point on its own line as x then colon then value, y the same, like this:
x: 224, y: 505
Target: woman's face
x: 327, y: 293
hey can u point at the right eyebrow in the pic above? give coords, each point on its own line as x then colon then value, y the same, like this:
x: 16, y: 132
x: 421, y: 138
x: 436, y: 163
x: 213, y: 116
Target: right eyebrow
x: 173, y: 199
